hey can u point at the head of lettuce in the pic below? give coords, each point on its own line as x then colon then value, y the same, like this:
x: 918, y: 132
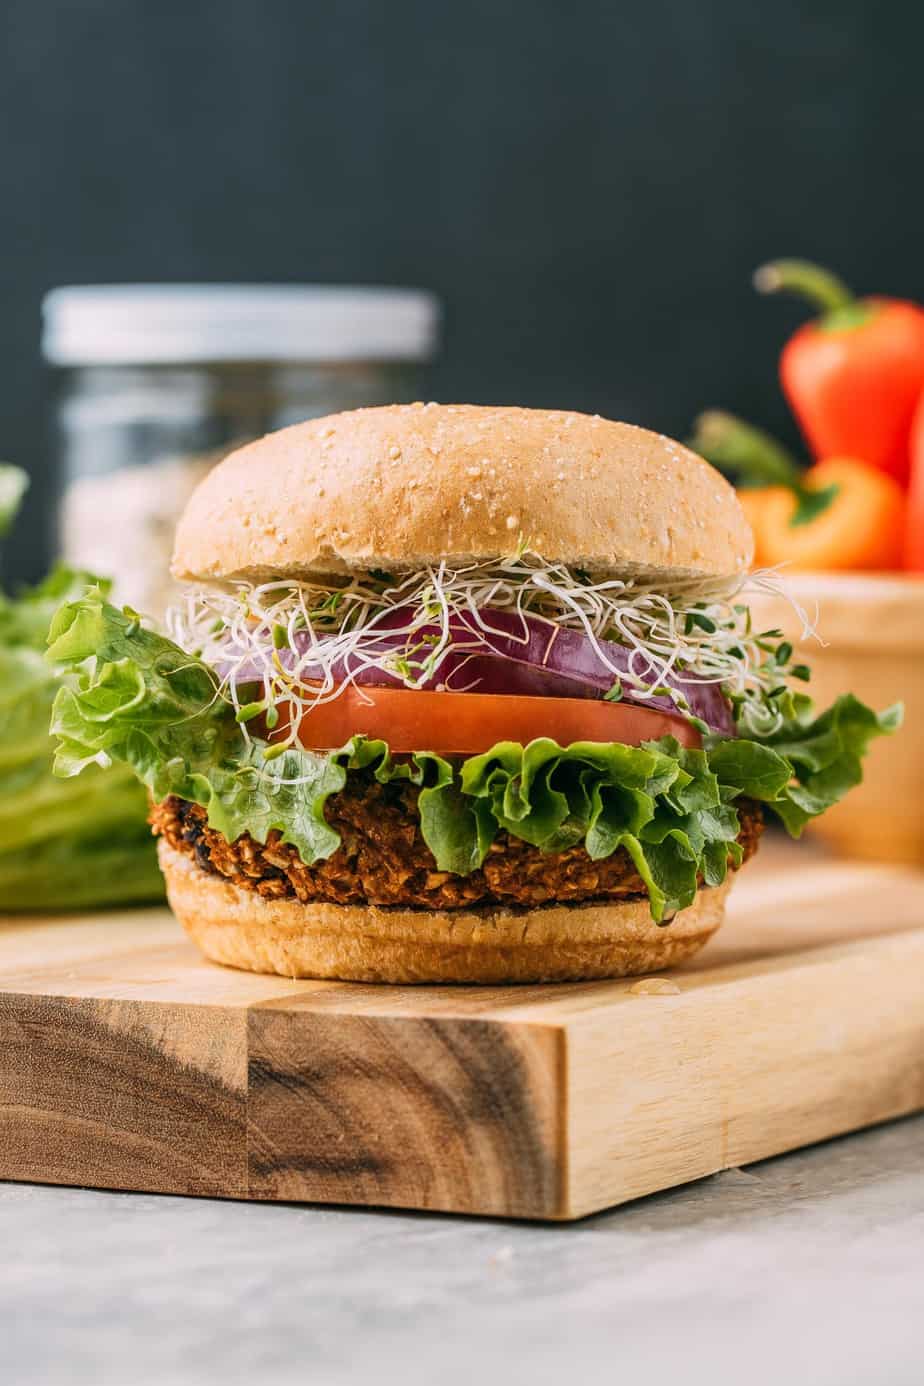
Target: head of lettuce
x: 64, y: 844
x: 457, y: 694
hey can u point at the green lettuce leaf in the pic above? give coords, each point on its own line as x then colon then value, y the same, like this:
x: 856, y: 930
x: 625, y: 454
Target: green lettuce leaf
x: 137, y: 699
x: 144, y: 702
x: 82, y: 872
x: 64, y: 844
x: 810, y: 763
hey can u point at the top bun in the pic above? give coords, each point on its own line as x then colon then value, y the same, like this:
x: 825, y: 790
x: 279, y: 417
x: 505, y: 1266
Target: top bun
x: 405, y: 486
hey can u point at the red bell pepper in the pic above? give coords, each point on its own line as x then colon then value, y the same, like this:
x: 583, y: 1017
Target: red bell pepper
x: 853, y: 376
x: 914, y: 534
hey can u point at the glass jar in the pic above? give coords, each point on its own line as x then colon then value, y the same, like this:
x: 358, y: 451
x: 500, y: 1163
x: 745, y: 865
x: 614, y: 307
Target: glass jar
x: 158, y: 382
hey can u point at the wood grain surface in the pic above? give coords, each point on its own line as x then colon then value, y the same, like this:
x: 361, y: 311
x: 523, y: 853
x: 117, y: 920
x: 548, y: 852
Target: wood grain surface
x: 128, y: 1062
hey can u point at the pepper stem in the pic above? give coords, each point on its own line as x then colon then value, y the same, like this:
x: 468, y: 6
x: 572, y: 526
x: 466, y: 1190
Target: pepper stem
x: 733, y: 445
x: 819, y: 286
x: 757, y: 460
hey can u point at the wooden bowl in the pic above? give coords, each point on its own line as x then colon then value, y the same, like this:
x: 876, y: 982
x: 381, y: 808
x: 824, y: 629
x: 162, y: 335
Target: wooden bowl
x: 873, y: 632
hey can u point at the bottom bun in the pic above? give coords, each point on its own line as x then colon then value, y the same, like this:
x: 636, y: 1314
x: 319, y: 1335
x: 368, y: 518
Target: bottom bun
x: 368, y: 943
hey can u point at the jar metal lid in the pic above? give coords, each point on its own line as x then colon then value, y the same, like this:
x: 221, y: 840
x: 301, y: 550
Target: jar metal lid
x: 157, y: 324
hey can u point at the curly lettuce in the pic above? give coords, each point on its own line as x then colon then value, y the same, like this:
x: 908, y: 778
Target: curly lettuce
x: 139, y: 700
x: 63, y: 844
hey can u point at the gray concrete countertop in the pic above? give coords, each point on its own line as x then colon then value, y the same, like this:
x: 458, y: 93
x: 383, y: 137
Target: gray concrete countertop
x: 807, y: 1268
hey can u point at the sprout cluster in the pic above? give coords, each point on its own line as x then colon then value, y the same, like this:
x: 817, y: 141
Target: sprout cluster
x: 697, y: 631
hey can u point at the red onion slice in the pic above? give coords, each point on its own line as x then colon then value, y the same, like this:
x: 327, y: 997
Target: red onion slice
x: 510, y: 653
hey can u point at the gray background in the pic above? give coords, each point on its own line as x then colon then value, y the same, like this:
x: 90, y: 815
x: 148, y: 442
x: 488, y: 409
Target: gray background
x: 588, y: 184
x: 801, y: 1271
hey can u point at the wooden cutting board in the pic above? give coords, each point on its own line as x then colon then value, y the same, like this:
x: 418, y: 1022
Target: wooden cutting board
x: 126, y: 1062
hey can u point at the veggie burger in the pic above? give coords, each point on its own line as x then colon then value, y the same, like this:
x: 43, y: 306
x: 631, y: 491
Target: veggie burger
x: 456, y: 694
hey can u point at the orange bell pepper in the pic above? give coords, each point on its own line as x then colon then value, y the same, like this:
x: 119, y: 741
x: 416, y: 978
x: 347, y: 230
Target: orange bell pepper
x: 853, y: 376
x: 754, y: 503
x: 839, y: 514
x: 860, y: 530
x: 914, y: 532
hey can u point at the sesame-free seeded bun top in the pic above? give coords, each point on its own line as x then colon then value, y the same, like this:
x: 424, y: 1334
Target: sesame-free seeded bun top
x: 404, y: 486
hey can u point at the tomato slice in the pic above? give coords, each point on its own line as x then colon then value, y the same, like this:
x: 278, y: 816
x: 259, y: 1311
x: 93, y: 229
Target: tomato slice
x: 469, y: 723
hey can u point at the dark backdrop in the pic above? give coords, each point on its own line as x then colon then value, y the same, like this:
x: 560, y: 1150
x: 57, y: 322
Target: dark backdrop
x: 588, y: 184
